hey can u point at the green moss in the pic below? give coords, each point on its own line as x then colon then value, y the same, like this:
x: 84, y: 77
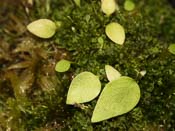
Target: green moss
x: 145, y: 49
x: 149, y: 31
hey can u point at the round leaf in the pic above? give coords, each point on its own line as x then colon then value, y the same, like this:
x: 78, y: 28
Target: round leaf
x: 118, y: 97
x: 129, y: 5
x: 115, y: 32
x: 108, y: 6
x: 62, y: 66
x: 42, y: 28
x: 83, y: 88
x: 112, y: 73
x: 171, y: 48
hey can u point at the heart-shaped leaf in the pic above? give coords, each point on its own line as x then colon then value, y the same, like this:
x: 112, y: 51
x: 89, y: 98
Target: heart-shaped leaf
x: 171, y: 48
x: 83, y: 88
x: 118, y: 97
x: 108, y: 6
x: 42, y: 28
x: 115, y: 32
x: 62, y: 65
x: 112, y: 73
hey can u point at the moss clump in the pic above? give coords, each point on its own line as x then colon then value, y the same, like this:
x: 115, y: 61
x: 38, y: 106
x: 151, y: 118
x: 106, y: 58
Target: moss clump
x: 81, y: 38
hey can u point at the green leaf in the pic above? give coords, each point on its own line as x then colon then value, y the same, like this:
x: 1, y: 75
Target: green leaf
x: 77, y: 2
x: 112, y: 73
x: 83, y: 88
x: 129, y: 5
x: 118, y: 97
x: 171, y: 48
x: 115, y: 32
x: 43, y: 28
x: 108, y: 6
x: 62, y: 65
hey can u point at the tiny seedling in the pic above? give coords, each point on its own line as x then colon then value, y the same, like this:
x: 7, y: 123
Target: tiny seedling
x: 43, y: 28
x: 115, y: 32
x: 62, y: 65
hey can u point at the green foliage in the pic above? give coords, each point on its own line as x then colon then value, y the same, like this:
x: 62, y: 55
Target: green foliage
x: 111, y: 73
x: 62, y: 65
x: 108, y: 6
x: 83, y: 88
x: 42, y: 104
x: 144, y: 49
x: 118, y: 97
x: 116, y: 33
x: 43, y: 28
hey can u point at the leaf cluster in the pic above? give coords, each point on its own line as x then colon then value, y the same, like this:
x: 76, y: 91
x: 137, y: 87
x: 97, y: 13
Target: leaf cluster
x: 149, y: 32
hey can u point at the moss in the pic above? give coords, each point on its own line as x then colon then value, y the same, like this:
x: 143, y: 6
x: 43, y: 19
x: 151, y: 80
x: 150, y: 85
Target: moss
x: 145, y: 49
x: 149, y: 31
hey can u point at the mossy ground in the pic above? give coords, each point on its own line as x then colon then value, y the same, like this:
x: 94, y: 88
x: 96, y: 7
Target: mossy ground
x: 33, y: 95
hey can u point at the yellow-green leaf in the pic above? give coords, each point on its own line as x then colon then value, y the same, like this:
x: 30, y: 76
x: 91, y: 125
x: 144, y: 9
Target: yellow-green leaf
x: 83, y: 88
x: 62, y: 65
x: 129, y: 5
x: 112, y: 73
x: 115, y: 32
x: 118, y: 97
x: 43, y: 28
x: 108, y: 6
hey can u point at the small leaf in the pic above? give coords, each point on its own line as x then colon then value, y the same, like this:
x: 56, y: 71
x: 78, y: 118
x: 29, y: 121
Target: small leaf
x: 83, y: 88
x: 108, y: 6
x: 129, y: 5
x: 42, y: 28
x: 62, y: 65
x: 143, y: 72
x: 112, y: 73
x: 118, y: 97
x: 77, y: 2
x: 115, y: 32
x: 171, y: 48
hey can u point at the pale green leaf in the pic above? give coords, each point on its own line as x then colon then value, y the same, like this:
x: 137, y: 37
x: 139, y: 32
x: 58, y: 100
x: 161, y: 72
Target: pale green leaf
x: 118, y: 97
x: 171, y: 48
x: 112, y: 73
x: 43, y: 28
x: 129, y: 5
x: 115, y: 32
x: 62, y: 65
x: 83, y: 88
x: 108, y: 6
x: 143, y: 72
